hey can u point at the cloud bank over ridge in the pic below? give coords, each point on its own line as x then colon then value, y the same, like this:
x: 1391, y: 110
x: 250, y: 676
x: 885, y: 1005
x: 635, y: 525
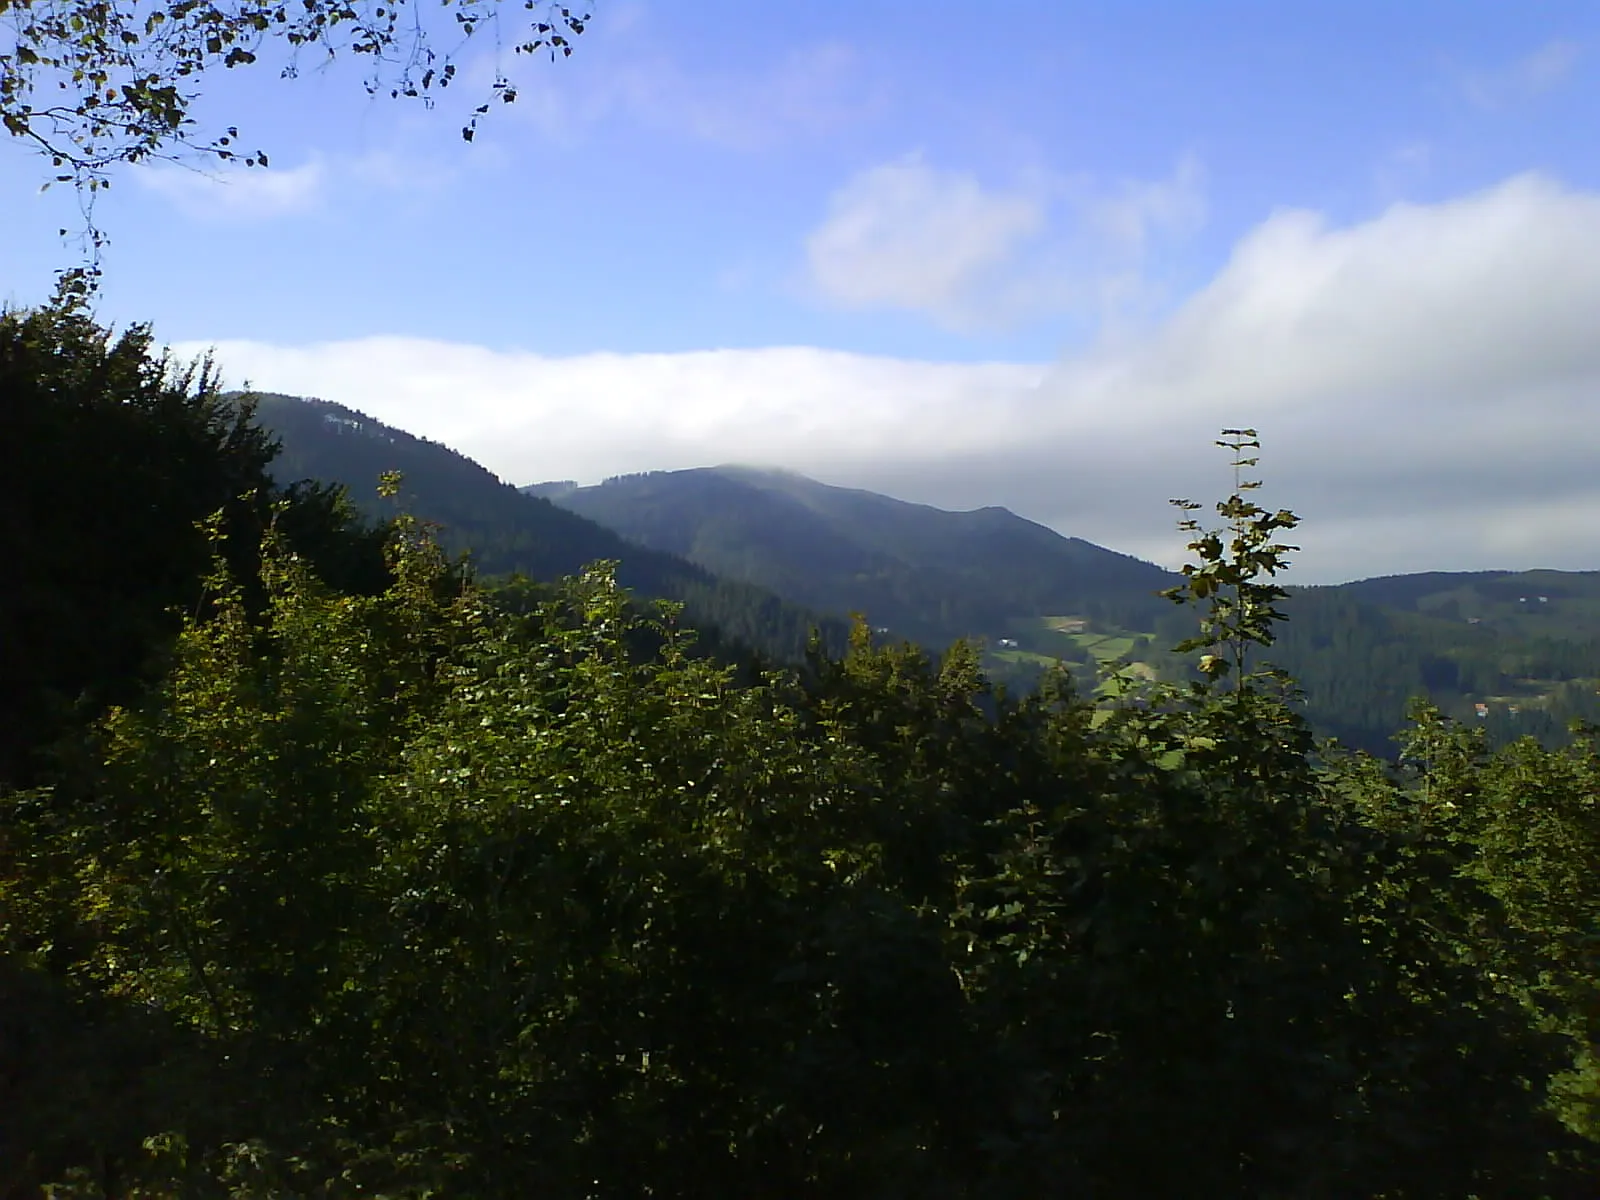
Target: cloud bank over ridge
x: 1427, y: 384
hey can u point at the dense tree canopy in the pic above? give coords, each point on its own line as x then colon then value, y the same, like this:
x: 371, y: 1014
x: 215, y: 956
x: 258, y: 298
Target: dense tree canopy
x: 409, y: 890
x: 113, y: 457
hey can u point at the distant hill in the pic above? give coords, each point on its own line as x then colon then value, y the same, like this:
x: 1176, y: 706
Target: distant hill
x: 1517, y: 653
x: 1526, y: 603
x: 922, y: 572
x: 507, y: 531
x: 755, y: 554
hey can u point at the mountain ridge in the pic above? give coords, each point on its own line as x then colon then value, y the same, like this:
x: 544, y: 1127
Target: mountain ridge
x: 507, y: 531
x: 760, y: 557
x: 929, y: 573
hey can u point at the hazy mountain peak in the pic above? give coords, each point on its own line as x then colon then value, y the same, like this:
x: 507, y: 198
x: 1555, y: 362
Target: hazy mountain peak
x: 550, y: 489
x: 922, y: 571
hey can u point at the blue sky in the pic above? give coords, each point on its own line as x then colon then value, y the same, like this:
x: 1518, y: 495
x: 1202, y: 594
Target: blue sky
x: 1031, y: 254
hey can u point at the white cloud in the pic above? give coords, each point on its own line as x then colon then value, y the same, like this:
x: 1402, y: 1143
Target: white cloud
x: 237, y: 193
x: 1398, y: 171
x: 1500, y: 286
x: 1137, y: 211
x: 1529, y: 76
x: 907, y: 235
x: 904, y: 235
x: 528, y: 417
x: 811, y: 91
x: 1548, y: 65
x: 1427, y: 384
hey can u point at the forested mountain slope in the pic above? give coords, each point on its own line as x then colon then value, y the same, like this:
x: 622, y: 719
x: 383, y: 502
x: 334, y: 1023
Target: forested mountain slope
x: 755, y: 553
x: 1558, y: 605
x: 1516, y: 653
x: 922, y: 572
x: 506, y: 531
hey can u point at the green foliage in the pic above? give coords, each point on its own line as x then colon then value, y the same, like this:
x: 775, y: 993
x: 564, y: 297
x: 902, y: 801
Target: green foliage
x: 439, y: 890
x: 1229, y: 575
x: 113, y: 456
x: 1523, y: 822
x: 628, y: 896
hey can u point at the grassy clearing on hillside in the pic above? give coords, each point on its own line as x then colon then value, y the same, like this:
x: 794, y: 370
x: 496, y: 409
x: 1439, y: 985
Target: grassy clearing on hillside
x: 1024, y: 656
x: 1071, y: 642
x: 1105, y: 644
x: 1065, y: 624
